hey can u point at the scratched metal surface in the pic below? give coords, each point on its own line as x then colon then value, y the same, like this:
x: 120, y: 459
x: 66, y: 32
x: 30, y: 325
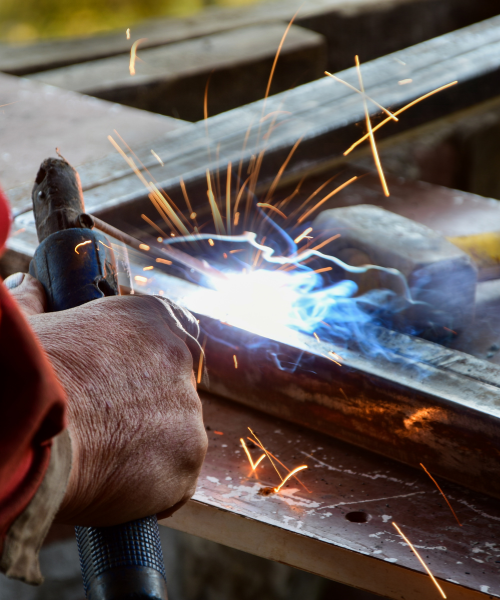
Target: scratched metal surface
x: 344, y: 479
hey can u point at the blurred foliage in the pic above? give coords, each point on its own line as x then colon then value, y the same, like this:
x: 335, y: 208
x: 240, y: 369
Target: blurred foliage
x: 31, y: 20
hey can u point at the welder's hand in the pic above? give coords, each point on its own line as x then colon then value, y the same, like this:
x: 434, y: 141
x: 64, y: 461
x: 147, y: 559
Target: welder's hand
x: 134, y: 416
x: 28, y: 292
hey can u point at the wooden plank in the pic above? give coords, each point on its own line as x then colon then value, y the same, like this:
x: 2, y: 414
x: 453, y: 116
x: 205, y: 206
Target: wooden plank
x: 171, y: 80
x: 310, y: 530
x: 353, y: 26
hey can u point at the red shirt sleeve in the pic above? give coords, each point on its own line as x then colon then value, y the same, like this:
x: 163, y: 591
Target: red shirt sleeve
x: 32, y: 405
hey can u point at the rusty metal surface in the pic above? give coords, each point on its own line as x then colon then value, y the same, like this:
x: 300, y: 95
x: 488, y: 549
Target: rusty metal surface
x: 343, y: 479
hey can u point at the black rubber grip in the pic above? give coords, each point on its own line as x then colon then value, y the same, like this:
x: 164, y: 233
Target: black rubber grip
x: 107, y: 554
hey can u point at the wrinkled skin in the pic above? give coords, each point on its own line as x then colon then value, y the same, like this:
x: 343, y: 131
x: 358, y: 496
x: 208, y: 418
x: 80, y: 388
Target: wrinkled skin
x: 134, y: 416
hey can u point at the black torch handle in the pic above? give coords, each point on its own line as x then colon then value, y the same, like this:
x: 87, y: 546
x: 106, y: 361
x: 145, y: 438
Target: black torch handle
x: 76, y: 265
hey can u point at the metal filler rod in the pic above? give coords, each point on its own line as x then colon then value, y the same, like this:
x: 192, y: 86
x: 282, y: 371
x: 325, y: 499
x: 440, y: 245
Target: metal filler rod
x: 75, y: 265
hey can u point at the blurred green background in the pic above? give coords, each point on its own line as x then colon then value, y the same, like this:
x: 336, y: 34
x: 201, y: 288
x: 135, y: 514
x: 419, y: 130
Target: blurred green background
x: 30, y: 20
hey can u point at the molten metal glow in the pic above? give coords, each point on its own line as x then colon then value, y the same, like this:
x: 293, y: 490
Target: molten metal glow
x: 420, y: 559
x: 442, y: 494
x: 376, y: 157
x: 291, y: 474
x: 82, y: 244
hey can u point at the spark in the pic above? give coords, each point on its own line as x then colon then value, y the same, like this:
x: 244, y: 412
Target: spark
x: 148, y: 268
x: 265, y: 205
x: 420, y: 559
x: 335, y: 355
x: 235, y: 361
x: 281, y: 171
x: 155, y: 226
x: 442, y: 494
x: 144, y: 247
x: 324, y: 243
x: 133, y: 55
x: 235, y: 251
x: 332, y: 359
x: 317, y: 191
x: 200, y: 363
x: 170, y: 211
x: 192, y: 216
x: 291, y: 474
x: 303, y: 235
x: 273, y: 68
x: 398, y: 112
x: 105, y: 245
x: 323, y: 270
x: 344, y: 394
x: 157, y: 158
x: 387, y: 112
x: 219, y: 227
x: 267, y: 453
x: 164, y: 261
x: 450, y: 330
x: 218, y: 432
x: 211, y: 242
x: 159, y: 239
x: 141, y: 279
x: 254, y: 465
x: 284, y: 466
x: 405, y: 81
x: 128, y: 33
x: 327, y: 197
x: 82, y: 244
x: 224, y: 255
x: 376, y: 157
x: 316, y: 336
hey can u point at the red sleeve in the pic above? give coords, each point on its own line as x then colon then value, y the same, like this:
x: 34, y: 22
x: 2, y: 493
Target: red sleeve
x: 32, y: 405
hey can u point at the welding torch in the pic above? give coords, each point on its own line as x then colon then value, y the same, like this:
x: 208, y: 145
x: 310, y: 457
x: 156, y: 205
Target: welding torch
x: 75, y: 264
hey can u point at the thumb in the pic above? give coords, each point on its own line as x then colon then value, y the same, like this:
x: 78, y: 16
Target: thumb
x: 28, y: 293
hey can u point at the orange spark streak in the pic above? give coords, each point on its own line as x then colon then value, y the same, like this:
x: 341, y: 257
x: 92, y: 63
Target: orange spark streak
x: 265, y: 205
x: 211, y: 242
x: 200, y: 363
x: 335, y: 355
x: 316, y: 336
x: 144, y: 247
x: 277, y: 56
x: 235, y: 361
x: 186, y: 198
x: 133, y: 55
x: 442, y: 494
x: 164, y: 261
x: 82, y: 244
x: 161, y: 212
x: 254, y: 465
x: 154, y: 225
x: 333, y: 360
x: 450, y: 330
x: 148, y: 268
x: 323, y: 270
x: 282, y: 169
x: 420, y: 559
x: 236, y: 218
x: 376, y: 157
x: 303, y: 235
x: 157, y: 158
x: 168, y: 209
x: 219, y: 227
x: 234, y: 251
x: 291, y: 474
x: 284, y: 466
x: 398, y: 112
x: 317, y: 191
x: 267, y: 453
x: 105, y: 245
x: 293, y: 194
x: 218, y: 432
x: 238, y: 198
x: 327, y: 197
x: 141, y: 279
x: 387, y: 112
